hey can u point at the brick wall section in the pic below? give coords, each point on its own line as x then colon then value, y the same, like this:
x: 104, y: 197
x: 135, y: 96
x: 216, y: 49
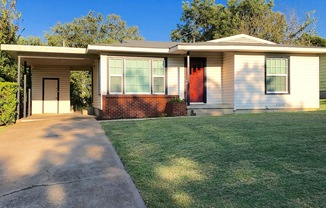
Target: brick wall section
x: 134, y: 106
x: 176, y: 109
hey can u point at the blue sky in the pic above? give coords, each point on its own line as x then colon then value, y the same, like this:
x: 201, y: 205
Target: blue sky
x: 154, y: 18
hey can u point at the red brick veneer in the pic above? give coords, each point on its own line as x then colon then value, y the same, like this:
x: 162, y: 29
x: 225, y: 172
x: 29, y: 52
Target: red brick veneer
x: 134, y: 106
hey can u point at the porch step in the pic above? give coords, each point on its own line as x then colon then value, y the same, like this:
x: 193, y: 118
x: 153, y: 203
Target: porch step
x: 209, y: 112
x: 210, y: 106
x: 209, y: 109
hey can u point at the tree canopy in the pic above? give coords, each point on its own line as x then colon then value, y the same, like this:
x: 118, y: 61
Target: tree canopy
x: 91, y: 29
x: 8, y: 29
x: 204, y: 20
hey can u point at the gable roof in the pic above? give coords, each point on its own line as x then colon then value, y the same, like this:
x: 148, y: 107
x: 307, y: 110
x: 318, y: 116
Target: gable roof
x: 241, y: 38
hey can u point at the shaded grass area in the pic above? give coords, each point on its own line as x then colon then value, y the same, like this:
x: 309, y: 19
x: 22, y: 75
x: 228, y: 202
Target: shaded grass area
x: 250, y: 160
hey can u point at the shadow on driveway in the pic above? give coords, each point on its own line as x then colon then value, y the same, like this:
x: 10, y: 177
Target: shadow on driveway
x: 62, y: 161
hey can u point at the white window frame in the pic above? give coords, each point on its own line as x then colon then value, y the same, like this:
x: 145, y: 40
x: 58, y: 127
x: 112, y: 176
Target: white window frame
x: 287, y: 91
x: 116, y: 75
x: 162, y: 76
x: 149, y: 76
x: 123, y: 76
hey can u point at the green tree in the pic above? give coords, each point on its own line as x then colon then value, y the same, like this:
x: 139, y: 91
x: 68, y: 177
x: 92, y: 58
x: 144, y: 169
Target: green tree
x: 203, y: 20
x: 80, y: 89
x: 8, y: 29
x: 256, y: 18
x: 30, y: 40
x: 311, y: 40
x: 89, y: 29
x: 8, y: 102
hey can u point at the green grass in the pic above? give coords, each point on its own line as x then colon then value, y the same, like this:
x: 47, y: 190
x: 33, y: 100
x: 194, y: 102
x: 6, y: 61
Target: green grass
x: 249, y: 160
x: 322, y: 104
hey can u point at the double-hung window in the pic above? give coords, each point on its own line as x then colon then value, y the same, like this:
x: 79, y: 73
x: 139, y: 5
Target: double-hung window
x: 136, y: 76
x: 116, y: 75
x: 277, y: 75
x: 158, y: 71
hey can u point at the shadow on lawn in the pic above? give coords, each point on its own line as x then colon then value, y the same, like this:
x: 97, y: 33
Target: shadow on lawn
x: 235, y: 161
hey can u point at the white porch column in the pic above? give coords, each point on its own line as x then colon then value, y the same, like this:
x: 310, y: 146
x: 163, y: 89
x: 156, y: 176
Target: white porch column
x: 18, y: 90
x: 187, y: 96
x: 103, y: 76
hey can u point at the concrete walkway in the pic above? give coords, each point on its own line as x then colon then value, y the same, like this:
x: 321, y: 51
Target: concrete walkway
x: 62, y: 161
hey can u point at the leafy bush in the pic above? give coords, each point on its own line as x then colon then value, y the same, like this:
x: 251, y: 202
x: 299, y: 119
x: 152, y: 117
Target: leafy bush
x: 80, y: 89
x: 8, y: 102
x: 176, y: 100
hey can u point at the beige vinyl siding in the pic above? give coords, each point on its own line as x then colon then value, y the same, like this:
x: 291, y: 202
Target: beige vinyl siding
x: 96, y: 94
x: 304, y: 82
x: 103, y: 76
x: 103, y: 69
x: 63, y: 73
x: 228, y: 78
x: 175, y: 76
x: 250, y: 83
x: 214, y: 78
x: 322, y: 73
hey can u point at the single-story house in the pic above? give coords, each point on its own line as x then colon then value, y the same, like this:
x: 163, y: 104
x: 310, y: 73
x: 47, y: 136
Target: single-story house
x: 137, y: 78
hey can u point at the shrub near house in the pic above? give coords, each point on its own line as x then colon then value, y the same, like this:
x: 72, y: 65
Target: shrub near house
x: 8, y: 102
x: 176, y: 107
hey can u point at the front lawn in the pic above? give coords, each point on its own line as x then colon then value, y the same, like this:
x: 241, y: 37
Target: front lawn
x: 249, y: 160
x: 322, y: 104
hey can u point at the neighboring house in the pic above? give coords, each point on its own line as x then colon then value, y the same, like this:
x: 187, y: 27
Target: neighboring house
x: 137, y: 78
x: 322, y: 76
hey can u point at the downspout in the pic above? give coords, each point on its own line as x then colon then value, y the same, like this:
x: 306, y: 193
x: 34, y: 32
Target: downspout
x: 188, y: 79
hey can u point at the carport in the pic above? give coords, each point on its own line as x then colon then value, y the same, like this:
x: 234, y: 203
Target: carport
x: 46, y: 76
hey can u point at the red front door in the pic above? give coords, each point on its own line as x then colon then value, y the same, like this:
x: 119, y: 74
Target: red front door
x: 197, y: 77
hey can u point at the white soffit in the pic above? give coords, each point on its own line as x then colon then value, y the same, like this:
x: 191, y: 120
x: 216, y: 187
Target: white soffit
x: 180, y: 49
x: 98, y: 49
x: 42, y: 49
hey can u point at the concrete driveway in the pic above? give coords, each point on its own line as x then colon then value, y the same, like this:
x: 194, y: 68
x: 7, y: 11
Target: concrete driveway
x: 62, y: 161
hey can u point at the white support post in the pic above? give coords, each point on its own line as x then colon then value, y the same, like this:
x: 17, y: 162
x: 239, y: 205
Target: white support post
x: 179, y: 93
x: 29, y: 103
x: 25, y: 97
x: 18, y: 90
x: 187, y: 79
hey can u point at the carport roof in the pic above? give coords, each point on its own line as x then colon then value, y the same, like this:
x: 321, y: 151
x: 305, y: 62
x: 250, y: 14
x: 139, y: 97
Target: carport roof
x: 75, y: 58
x: 14, y: 50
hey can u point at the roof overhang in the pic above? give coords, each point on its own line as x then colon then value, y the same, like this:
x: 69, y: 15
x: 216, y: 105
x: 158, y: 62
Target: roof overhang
x: 97, y: 49
x: 75, y: 58
x: 13, y: 50
x: 182, y: 49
